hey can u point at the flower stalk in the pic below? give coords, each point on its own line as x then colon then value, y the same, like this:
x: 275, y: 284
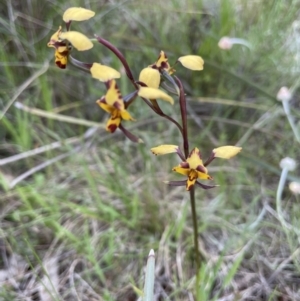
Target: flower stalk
x: 196, y: 235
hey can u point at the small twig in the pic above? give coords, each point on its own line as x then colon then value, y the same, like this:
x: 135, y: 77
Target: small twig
x: 37, y: 151
x: 48, y: 147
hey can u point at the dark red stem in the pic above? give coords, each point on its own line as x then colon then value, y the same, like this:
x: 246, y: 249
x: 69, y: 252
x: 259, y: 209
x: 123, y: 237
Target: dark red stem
x: 120, y: 56
x: 183, y: 110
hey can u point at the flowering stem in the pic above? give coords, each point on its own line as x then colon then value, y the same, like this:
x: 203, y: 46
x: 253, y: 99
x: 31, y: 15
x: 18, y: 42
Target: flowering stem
x: 120, y: 56
x: 182, y: 102
x: 196, y: 246
x: 183, y: 110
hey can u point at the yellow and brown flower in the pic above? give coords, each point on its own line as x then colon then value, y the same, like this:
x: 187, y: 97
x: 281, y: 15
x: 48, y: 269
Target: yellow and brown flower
x: 63, y: 42
x: 193, y: 166
x: 113, y: 104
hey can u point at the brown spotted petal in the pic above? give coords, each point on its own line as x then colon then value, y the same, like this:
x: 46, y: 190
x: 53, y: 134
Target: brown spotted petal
x: 162, y: 62
x: 194, y: 159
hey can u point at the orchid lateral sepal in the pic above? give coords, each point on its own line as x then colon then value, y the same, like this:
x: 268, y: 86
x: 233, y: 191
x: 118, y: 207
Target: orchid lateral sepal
x: 129, y: 135
x: 205, y: 187
x: 170, y: 89
x: 80, y: 65
x: 129, y: 98
x: 112, y: 102
x: 167, y: 76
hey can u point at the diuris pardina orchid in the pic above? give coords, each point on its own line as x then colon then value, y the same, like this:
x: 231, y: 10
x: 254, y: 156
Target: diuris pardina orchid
x: 193, y: 166
x: 147, y: 87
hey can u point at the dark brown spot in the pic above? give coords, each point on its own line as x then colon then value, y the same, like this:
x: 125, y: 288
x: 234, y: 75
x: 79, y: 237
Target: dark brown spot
x: 60, y: 65
x: 185, y: 165
x: 112, y: 128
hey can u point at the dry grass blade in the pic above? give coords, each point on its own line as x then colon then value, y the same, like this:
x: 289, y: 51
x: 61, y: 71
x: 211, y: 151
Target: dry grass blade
x: 24, y: 86
x: 59, y: 117
x: 49, y: 286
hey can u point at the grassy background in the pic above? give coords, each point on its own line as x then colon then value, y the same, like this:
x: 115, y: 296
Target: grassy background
x: 80, y: 221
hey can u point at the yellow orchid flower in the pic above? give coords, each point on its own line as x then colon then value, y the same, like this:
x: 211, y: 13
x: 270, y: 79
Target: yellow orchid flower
x: 162, y: 63
x: 150, y: 76
x: 62, y: 49
x: 193, y: 166
x: 113, y: 104
x: 64, y: 41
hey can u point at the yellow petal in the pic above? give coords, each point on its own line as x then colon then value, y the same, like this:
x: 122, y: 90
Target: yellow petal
x: 226, y: 152
x: 190, y: 183
x: 192, y: 62
x: 203, y: 176
x: 152, y: 93
x: 104, y: 73
x: 192, y: 177
x: 162, y: 61
x: 77, y: 14
x: 150, y: 77
x: 54, y: 38
x: 181, y: 170
x: 112, y: 124
x: 125, y: 115
x: 194, y: 159
x: 113, y: 96
x: 61, y: 59
x: 77, y: 39
x: 109, y: 109
x: 164, y: 149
